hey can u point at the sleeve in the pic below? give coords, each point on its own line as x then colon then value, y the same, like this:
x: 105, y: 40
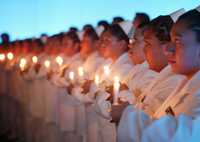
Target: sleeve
x: 132, y: 124
x: 189, y: 105
x: 161, y: 130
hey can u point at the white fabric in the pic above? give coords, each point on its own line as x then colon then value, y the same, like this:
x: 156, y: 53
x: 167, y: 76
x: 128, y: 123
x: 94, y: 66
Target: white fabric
x: 186, y: 101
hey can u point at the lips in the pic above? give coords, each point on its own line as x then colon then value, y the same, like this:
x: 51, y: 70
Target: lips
x: 171, y: 61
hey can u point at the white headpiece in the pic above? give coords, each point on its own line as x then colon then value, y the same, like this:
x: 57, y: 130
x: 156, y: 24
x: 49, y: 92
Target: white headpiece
x: 198, y: 8
x: 99, y: 30
x: 175, y: 15
x: 127, y: 27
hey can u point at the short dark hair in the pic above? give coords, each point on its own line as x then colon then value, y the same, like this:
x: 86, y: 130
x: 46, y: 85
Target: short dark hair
x: 192, y: 19
x: 117, y: 20
x: 103, y: 23
x: 90, y: 32
x: 73, y: 36
x: 87, y: 26
x: 117, y: 31
x: 144, y: 19
x: 73, y: 29
x: 161, y: 26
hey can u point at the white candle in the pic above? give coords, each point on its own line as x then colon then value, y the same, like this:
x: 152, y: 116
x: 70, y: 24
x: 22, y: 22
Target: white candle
x: 106, y: 70
x: 116, y: 87
x: 80, y: 71
x: 71, y: 76
x: 59, y: 60
x: 47, y: 63
x: 2, y: 57
x: 34, y: 59
x: 10, y: 56
x: 96, y: 80
x: 22, y: 64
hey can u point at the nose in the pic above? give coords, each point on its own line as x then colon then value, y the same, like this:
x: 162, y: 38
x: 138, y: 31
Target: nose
x: 169, y: 49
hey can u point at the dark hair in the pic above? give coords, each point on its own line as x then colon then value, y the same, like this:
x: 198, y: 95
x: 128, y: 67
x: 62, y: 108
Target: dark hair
x: 103, y: 23
x: 192, y: 20
x: 144, y: 19
x: 5, y: 38
x: 117, y: 31
x: 161, y: 26
x: 87, y: 26
x: 74, y: 29
x: 117, y: 20
x: 73, y: 36
x: 90, y: 32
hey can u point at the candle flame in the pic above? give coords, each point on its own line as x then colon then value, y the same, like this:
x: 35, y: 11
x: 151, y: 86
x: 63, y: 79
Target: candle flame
x: 10, y: 56
x: 47, y: 63
x: 106, y: 70
x: 22, y: 63
x: 80, y: 71
x: 2, y: 57
x: 59, y: 60
x: 34, y: 59
x: 71, y: 75
x: 96, y: 80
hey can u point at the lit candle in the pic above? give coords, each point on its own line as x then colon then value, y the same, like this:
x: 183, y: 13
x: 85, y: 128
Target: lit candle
x: 116, y: 87
x: 2, y: 57
x: 106, y: 70
x: 96, y: 80
x: 71, y: 76
x: 47, y: 63
x: 22, y: 64
x: 80, y: 71
x: 59, y: 60
x: 34, y: 59
x: 10, y: 56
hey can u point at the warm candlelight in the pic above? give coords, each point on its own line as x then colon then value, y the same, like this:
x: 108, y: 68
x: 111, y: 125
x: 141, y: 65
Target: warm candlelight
x: 96, y: 80
x: 116, y: 87
x: 71, y: 75
x: 34, y: 59
x: 59, y: 60
x: 47, y: 63
x: 10, y: 56
x: 106, y: 70
x: 22, y: 64
x: 80, y: 71
x: 2, y: 57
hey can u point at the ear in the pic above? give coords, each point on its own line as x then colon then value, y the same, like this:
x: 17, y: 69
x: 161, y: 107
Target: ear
x: 122, y: 44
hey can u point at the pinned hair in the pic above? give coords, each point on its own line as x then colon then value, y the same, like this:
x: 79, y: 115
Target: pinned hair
x: 117, y: 31
x: 90, y: 32
x: 73, y: 36
x: 161, y: 26
x: 192, y: 20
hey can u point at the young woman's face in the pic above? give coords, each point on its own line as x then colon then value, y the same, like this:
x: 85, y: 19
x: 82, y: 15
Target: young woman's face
x: 87, y: 46
x: 69, y: 47
x: 136, y: 47
x: 186, y: 54
x: 153, y: 50
x: 110, y: 45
